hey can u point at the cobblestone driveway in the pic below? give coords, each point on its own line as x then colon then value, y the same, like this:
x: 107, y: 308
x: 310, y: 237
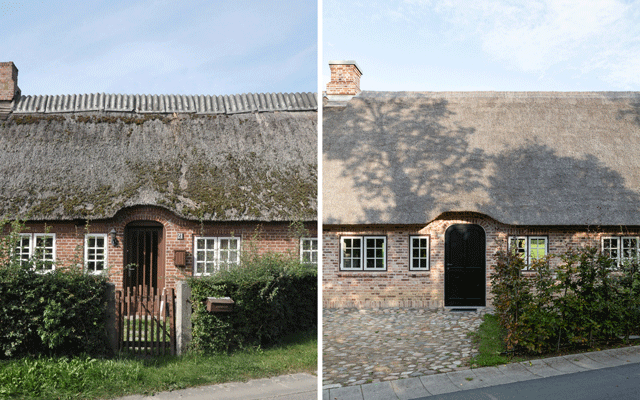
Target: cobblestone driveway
x: 363, y: 346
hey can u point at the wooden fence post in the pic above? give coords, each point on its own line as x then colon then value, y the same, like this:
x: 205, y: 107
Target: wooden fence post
x: 110, y: 317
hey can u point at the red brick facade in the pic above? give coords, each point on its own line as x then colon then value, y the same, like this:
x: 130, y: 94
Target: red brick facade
x: 69, y: 238
x: 400, y: 287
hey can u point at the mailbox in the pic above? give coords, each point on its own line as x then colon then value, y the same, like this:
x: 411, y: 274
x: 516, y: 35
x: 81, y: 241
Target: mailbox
x: 219, y: 304
x: 180, y: 258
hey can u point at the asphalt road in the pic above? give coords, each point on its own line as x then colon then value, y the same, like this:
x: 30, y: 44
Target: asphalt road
x: 620, y: 383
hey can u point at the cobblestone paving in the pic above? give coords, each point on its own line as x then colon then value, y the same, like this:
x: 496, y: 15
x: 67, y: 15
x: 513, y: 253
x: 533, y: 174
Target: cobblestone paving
x: 365, y: 346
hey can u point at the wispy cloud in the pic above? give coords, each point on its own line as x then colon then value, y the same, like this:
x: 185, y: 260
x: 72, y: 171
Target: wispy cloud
x: 535, y: 36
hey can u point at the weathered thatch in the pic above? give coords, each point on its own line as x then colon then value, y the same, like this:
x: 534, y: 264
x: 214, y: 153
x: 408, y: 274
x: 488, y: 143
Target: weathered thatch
x: 542, y: 158
x: 221, y: 167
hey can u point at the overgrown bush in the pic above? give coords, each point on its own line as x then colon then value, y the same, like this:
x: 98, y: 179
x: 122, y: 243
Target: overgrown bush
x: 274, y: 295
x: 584, y: 300
x: 58, y: 312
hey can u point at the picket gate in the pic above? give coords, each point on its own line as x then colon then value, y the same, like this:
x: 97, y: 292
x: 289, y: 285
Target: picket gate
x: 145, y: 320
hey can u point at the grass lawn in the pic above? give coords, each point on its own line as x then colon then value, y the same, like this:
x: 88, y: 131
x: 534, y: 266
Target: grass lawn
x: 86, y: 378
x: 490, y: 337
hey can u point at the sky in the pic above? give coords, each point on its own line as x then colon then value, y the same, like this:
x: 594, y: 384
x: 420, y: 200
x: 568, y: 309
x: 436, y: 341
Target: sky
x: 211, y: 47
x: 469, y: 45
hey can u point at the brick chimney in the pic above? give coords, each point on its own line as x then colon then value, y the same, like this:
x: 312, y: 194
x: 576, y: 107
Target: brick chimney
x: 8, y: 87
x: 345, y: 79
x: 8, y: 81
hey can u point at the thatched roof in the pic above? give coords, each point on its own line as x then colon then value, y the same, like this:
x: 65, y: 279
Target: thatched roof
x: 226, y: 158
x: 534, y: 158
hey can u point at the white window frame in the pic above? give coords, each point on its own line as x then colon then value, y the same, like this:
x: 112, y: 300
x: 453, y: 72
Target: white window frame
x: 105, y: 250
x: 527, y: 257
x: 522, y: 251
x: 619, y: 247
x: 36, y: 236
x: 25, y: 257
x: 412, y: 249
x: 363, y: 258
x: 310, y: 252
x: 32, y: 249
x: 217, y: 253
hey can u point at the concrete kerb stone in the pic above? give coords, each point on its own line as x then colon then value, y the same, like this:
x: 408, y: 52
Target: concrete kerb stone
x: 517, y: 372
x: 378, y: 391
x: 540, y: 368
x: 346, y: 393
x: 409, y: 388
x: 493, y: 376
x: 584, y: 361
x: 605, y: 358
x: 627, y: 354
x: 466, y: 380
x: 438, y: 384
x: 563, y: 364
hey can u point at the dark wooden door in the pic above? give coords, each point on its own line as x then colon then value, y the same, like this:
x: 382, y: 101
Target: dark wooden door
x: 465, y: 266
x: 144, y: 257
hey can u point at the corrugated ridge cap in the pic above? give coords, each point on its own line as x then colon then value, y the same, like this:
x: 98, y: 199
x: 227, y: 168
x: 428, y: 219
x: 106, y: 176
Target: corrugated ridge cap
x: 500, y: 94
x: 167, y: 104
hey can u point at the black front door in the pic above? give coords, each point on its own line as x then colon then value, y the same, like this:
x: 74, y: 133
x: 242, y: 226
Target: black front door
x: 144, y: 266
x: 464, y: 266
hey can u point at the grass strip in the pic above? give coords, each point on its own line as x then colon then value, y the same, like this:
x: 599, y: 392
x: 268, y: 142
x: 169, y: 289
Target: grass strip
x: 88, y: 378
x: 490, y: 337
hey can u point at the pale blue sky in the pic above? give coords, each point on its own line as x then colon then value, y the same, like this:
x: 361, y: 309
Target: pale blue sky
x: 442, y: 45
x: 161, y: 46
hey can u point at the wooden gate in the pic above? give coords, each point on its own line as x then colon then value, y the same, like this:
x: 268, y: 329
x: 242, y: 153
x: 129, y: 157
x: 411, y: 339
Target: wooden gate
x: 146, y: 320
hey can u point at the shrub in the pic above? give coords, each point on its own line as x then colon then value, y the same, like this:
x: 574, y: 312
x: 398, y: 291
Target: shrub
x: 582, y: 301
x: 59, y: 312
x: 274, y: 295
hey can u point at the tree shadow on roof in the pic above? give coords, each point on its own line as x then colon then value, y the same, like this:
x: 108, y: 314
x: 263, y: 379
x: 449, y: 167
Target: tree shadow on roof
x: 533, y: 185
x: 399, y: 153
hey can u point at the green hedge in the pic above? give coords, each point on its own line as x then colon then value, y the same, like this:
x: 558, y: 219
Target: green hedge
x: 585, y: 300
x: 61, y: 312
x: 274, y: 295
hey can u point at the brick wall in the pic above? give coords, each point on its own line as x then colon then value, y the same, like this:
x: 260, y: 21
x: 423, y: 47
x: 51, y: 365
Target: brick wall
x: 400, y: 287
x: 345, y: 80
x: 272, y: 236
